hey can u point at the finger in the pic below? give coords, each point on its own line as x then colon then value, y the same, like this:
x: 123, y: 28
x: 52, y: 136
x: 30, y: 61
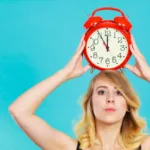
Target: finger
x: 86, y: 68
x: 78, y: 53
x: 82, y: 39
x: 79, y: 61
x: 81, y: 42
x: 129, y: 67
x: 133, y: 51
x: 133, y: 70
x: 81, y: 48
x: 135, y: 46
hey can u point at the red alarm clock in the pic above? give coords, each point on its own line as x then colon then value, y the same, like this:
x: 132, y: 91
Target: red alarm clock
x: 107, y: 41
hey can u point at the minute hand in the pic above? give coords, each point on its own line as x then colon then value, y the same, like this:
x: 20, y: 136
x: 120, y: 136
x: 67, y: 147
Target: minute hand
x: 103, y: 41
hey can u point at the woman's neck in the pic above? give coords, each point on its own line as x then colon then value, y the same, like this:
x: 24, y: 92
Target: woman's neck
x: 108, y: 134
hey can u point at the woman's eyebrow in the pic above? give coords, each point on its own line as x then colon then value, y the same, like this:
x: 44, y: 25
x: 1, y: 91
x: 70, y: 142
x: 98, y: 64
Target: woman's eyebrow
x: 102, y: 86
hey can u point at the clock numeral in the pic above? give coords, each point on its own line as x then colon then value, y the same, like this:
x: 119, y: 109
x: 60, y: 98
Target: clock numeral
x: 92, y: 47
x: 119, y: 39
x: 107, y: 33
x: 95, y: 55
x: 114, y: 60
x: 107, y: 61
x: 99, y: 34
x: 114, y: 34
x: 122, y: 47
x: 95, y: 41
x: 119, y: 55
x: 101, y: 58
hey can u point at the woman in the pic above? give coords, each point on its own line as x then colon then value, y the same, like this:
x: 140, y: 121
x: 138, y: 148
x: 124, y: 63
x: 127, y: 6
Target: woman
x: 110, y: 120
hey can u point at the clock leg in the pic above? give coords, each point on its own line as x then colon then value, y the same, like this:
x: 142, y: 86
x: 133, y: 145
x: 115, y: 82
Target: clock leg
x: 91, y: 71
x: 122, y: 70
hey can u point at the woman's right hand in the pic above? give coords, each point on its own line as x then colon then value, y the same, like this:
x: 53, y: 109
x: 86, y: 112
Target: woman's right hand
x: 74, y: 68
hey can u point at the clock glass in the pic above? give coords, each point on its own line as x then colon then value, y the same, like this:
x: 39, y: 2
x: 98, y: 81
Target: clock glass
x: 107, y: 48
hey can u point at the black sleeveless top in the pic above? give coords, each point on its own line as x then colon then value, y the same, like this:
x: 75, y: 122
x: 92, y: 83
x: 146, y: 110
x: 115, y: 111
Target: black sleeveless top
x: 81, y: 149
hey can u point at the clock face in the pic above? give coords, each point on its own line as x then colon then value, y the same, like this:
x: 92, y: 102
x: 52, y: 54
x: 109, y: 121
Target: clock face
x: 107, y: 48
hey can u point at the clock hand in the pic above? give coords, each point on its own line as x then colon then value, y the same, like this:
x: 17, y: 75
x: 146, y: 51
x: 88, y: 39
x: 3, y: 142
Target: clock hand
x: 107, y: 44
x: 103, y: 41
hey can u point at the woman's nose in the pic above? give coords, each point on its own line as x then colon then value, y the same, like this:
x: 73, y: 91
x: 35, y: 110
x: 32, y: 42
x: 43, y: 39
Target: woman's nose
x: 110, y: 99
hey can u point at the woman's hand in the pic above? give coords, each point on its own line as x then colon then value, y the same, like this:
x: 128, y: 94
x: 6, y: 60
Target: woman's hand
x: 74, y: 68
x: 141, y: 68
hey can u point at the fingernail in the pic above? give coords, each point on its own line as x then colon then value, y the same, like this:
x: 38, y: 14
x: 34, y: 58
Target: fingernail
x: 131, y: 47
x: 82, y: 43
x: 83, y: 36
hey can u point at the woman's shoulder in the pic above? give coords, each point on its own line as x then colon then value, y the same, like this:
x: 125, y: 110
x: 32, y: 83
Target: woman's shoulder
x: 146, y: 143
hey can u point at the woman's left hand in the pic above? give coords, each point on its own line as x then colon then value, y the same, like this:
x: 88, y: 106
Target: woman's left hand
x: 141, y: 68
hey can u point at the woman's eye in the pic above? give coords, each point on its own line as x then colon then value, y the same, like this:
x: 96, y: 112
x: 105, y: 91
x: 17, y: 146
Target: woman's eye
x: 101, y: 92
x: 119, y: 93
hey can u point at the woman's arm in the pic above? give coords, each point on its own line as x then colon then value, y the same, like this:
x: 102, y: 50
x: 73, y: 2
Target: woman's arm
x: 22, y: 110
x: 28, y: 102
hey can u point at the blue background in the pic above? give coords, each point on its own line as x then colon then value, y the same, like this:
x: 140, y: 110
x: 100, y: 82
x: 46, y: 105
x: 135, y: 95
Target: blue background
x: 37, y: 38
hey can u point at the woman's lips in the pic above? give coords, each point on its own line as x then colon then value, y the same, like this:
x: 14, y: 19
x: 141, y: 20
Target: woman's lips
x: 109, y: 109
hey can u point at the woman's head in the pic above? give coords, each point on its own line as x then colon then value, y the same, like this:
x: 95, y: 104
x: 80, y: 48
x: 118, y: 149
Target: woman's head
x: 110, y: 89
x: 106, y: 96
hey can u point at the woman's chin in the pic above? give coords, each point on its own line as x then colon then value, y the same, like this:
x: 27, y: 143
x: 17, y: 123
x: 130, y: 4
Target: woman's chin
x: 110, y: 120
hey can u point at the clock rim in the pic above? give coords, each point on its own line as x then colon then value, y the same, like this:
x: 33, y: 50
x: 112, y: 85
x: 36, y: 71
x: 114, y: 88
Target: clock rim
x: 108, y: 24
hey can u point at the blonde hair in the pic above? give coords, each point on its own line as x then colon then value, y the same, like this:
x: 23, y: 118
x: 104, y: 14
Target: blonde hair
x: 131, y: 133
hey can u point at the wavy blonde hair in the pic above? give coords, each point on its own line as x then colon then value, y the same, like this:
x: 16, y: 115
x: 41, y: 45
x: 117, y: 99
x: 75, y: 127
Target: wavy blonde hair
x: 131, y: 133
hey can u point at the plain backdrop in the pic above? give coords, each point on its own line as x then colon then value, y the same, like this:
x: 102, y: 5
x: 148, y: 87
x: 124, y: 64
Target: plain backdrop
x: 38, y: 38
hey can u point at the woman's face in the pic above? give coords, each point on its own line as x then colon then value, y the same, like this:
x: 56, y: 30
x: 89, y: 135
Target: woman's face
x: 106, y: 96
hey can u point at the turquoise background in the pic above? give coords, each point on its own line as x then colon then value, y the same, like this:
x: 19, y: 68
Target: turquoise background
x: 37, y: 38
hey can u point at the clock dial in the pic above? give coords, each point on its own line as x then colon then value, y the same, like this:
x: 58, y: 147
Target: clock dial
x: 107, y: 48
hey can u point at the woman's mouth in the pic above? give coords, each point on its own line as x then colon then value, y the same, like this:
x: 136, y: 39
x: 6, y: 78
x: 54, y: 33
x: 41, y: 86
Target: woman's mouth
x: 109, y: 109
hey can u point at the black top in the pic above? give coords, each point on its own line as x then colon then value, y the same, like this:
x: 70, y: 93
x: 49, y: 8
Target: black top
x: 81, y: 149
x: 78, y: 146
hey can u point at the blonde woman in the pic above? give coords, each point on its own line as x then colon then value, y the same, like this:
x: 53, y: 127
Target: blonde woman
x: 110, y: 120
